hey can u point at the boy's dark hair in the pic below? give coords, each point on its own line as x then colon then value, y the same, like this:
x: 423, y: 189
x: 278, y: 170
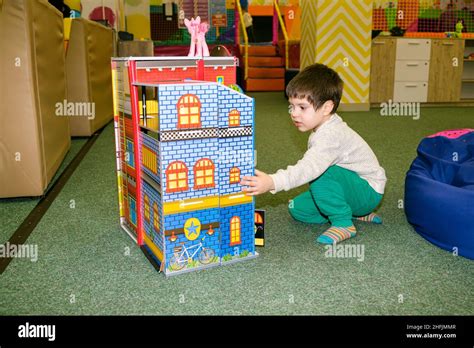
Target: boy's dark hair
x: 317, y: 83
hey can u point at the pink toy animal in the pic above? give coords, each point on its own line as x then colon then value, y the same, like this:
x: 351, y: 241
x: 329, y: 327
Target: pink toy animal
x: 198, y: 32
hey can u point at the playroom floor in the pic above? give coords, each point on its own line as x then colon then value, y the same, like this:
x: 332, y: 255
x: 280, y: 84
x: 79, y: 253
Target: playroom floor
x: 87, y: 265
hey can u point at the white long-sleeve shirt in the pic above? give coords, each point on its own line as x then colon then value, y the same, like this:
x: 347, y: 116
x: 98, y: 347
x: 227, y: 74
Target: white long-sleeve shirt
x: 333, y: 143
x: 248, y: 20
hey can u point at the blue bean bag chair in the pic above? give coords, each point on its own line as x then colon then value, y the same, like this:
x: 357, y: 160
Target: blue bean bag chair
x: 439, y: 191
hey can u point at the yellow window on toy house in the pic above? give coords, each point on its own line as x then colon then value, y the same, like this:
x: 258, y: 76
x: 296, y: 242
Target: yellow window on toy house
x: 235, y: 231
x: 235, y: 175
x: 189, y: 111
x: 176, y: 177
x: 156, y: 218
x: 204, y: 174
x: 149, y: 159
x: 146, y: 203
x: 234, y: 118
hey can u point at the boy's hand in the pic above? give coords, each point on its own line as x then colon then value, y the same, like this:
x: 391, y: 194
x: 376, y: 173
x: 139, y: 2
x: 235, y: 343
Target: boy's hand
x: 258, y: 184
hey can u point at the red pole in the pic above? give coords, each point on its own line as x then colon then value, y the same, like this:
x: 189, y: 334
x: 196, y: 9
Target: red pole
x: 132, y: 74
x: 275, y: 26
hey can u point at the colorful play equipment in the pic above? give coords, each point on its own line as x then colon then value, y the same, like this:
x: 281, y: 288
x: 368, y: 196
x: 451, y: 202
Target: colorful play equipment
x: 261, y: 64
x: 264, y: 64
x: 423, y: 16
x: 337, y: 33
x: 439, y: 191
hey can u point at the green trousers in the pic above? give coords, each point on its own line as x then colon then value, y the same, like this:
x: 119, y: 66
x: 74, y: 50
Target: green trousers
x: 336, y: 196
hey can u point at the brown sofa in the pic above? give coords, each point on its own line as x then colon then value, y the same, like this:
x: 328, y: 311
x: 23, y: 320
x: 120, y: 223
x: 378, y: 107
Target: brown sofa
x: 33, y: 138
x: 89, y: 77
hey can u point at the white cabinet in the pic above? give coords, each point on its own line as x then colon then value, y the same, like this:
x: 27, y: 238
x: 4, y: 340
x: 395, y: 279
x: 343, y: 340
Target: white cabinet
x: 413, y: 49
x: 412, y: 68
x: 407, y: 91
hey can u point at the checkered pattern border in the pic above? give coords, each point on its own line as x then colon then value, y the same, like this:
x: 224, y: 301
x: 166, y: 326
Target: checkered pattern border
x: 205, y: 133
x: 235, y: 132
x: 189, y: 134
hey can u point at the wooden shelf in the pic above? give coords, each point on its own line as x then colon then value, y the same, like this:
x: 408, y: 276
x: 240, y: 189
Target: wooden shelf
x: 468, y: 81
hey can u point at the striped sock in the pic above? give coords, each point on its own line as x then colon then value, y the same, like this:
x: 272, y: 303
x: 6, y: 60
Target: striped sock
x: 336, y: 234
x: 372, y: 217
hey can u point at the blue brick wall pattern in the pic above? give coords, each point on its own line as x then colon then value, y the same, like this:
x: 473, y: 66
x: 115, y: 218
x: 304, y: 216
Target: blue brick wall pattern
x: 230, y: 100
x: 217, y: 101
x: 154, y: 197
x: 189, y: 152
x: 153, y: 145
x: 234, y: 152
x: 205, y: 216
x: 169, y: 95
x: 246, y: 214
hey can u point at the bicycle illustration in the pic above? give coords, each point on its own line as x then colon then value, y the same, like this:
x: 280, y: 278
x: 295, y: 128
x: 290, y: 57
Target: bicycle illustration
x: 182, y: 255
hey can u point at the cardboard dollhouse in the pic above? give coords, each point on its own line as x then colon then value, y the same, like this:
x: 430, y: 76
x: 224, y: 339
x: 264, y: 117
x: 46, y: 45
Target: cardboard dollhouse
x: 184, y: 139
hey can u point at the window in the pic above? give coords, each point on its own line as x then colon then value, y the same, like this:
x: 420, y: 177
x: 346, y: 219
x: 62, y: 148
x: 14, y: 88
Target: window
x: 132, y: 210
x: 176, y: 177
x: 156, y: 218
x: 234, y: 118
x: 235, y: 230
x: 234, y: 175
x: 146, y: 203
x: 149, y: 159
x: 204, y: 174
x: 130, y: 153
x: 189, y: 111
x: 258, y: 218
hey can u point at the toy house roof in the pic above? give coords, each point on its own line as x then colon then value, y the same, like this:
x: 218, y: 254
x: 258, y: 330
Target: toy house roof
x: 170, y: 58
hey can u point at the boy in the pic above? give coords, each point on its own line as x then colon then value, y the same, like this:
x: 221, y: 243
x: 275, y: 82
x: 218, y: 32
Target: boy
x: 344, y: 176
x: 248, y: 22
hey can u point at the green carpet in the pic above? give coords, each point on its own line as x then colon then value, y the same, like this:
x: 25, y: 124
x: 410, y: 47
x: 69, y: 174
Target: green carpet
x: 84, y: 268
x: 14, y: 210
